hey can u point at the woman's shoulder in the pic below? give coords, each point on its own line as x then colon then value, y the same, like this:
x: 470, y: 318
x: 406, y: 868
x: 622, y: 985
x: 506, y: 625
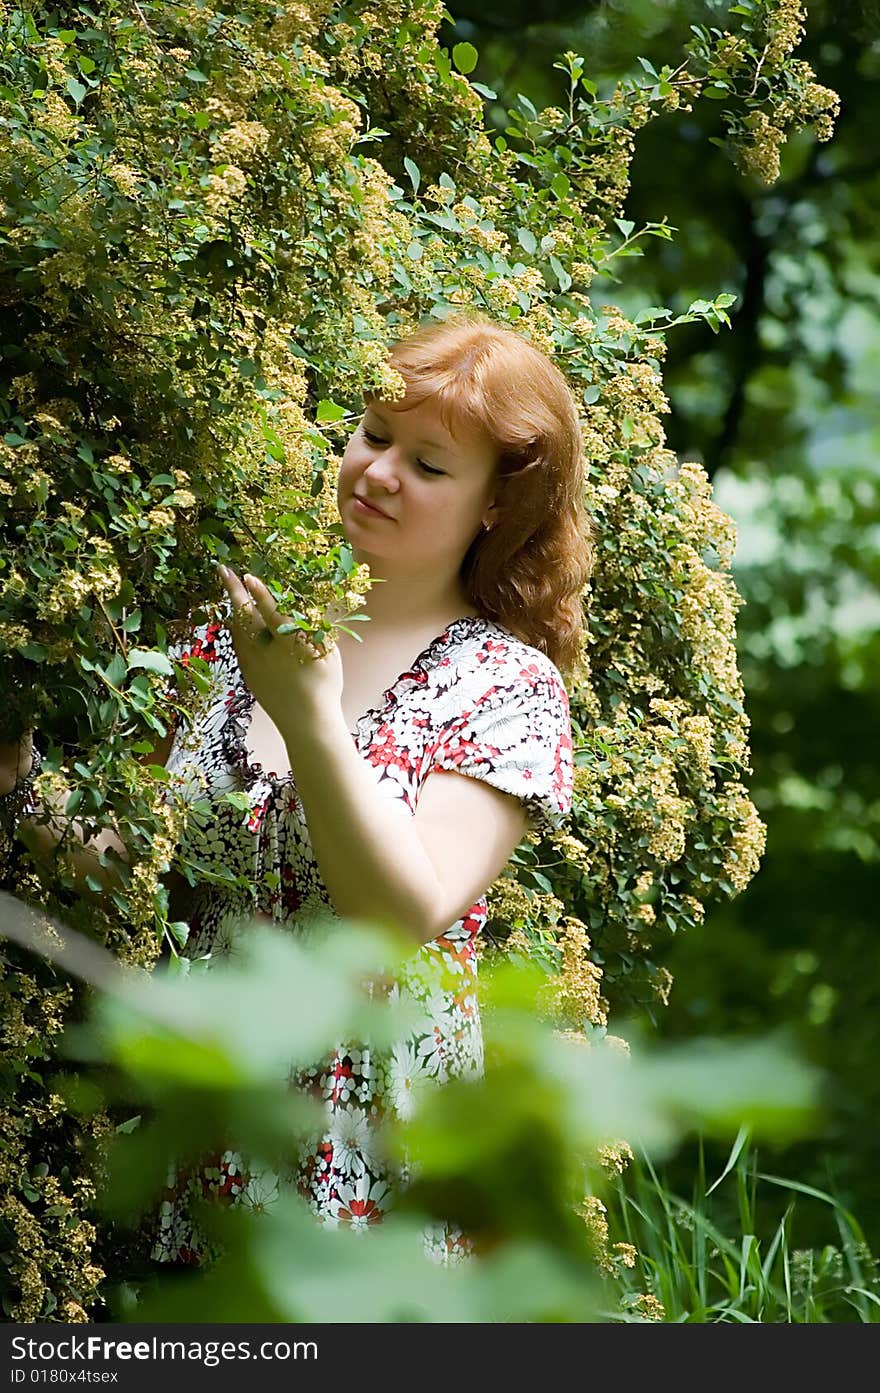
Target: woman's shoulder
x: 485, y: 647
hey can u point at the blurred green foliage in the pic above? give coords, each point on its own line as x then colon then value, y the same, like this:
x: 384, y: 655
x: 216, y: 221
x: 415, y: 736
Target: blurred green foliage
x: 197, y: 1058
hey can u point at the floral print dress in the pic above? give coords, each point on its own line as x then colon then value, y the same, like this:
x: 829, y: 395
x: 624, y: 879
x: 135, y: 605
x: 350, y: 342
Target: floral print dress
x: 477, y: 701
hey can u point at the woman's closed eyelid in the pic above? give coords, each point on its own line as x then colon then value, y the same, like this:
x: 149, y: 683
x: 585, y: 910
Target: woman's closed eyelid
x: 375, y: 439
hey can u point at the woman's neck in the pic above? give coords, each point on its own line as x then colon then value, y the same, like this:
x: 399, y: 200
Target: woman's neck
x: 395, y: 603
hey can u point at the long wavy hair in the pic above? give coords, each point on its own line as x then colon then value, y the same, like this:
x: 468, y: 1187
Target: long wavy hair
x: 528, y: 570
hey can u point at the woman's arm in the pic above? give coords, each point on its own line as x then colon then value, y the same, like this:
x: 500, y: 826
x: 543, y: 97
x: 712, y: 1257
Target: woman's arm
x: 420, y: 873
x: 43, y: 837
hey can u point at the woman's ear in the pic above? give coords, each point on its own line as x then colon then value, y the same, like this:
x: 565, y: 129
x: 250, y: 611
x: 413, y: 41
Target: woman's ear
x: 492, y: 515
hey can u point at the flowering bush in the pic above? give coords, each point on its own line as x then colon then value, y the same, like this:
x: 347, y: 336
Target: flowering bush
x: 212, y: 224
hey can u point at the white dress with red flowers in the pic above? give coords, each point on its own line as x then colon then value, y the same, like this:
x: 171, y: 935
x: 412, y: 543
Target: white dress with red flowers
x: 477, y: 701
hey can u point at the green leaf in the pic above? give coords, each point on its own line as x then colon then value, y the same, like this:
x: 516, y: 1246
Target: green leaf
x: 151, y: 660
x: 179, y: 931
x: 527, y: 240
x: 560, y: 273
x: 560, y: 184
x: 413, y: 171
x: 239, y: 801
x: 465, y: 56
x: 115, y: 670
x: 742, y: 1140
x: 414, y: 251
x: 449, y: 224
x: 76, y: 89
x: 329, y: 411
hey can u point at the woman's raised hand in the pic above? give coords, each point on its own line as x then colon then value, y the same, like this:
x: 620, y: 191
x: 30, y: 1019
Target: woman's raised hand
x: 15, y: 762
x: 292, y: 680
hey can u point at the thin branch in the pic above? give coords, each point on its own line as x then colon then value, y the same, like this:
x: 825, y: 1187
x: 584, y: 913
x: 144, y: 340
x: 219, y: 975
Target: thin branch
x: 116, y: 634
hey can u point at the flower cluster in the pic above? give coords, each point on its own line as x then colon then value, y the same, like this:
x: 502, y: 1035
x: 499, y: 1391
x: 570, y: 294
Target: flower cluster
x: 572, y: 996
x: 792, y: 96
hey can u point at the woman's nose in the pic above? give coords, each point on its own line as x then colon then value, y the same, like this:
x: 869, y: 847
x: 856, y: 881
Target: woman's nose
x: 384, y: 469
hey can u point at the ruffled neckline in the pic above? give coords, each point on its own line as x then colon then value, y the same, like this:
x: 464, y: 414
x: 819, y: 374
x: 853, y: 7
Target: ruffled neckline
x: 240, y: 711
x: 420, y: 664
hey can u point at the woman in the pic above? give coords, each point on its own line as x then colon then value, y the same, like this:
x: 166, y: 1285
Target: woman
x: 392, y: 778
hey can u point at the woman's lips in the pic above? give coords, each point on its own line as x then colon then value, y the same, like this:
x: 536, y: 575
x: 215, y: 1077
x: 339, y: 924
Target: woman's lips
x: 368, y: 509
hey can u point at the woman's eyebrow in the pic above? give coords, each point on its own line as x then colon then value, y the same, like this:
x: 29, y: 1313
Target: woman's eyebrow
x: 428, y: 444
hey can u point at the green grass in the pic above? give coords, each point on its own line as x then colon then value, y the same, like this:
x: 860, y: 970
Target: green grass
x: 714, y: 1260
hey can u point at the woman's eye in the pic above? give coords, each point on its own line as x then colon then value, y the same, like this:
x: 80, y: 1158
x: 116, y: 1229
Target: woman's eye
x: 427, y: 467
x: 373, y: 439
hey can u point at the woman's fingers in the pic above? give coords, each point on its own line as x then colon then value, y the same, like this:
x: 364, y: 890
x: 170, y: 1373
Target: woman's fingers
x: 266, y: 606
x: 255, y: 609
x: 246, y: 616
x: 236, y: 591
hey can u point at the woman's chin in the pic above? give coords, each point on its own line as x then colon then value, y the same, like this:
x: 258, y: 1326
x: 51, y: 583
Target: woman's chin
x: 360, y: 553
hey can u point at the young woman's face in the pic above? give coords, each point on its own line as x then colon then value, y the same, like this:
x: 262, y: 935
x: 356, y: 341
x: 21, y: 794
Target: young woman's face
x: 434, y: 490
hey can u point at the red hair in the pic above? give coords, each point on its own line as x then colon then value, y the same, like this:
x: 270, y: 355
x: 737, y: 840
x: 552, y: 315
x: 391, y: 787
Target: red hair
x: 528, y: 571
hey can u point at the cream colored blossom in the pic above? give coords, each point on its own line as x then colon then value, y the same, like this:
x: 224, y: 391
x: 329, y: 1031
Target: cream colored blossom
x: 243, y: 143
x: 614, y: 1157
x: 573, y: 996
x: 224, y: 189
x: 649, y: 1307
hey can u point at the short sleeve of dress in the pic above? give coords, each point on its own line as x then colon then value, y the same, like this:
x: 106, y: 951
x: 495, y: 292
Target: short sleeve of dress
x: 514, y: 732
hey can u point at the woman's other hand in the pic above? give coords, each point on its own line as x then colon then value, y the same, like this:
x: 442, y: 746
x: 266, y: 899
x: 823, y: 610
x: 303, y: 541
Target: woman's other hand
x: 15, y: 762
